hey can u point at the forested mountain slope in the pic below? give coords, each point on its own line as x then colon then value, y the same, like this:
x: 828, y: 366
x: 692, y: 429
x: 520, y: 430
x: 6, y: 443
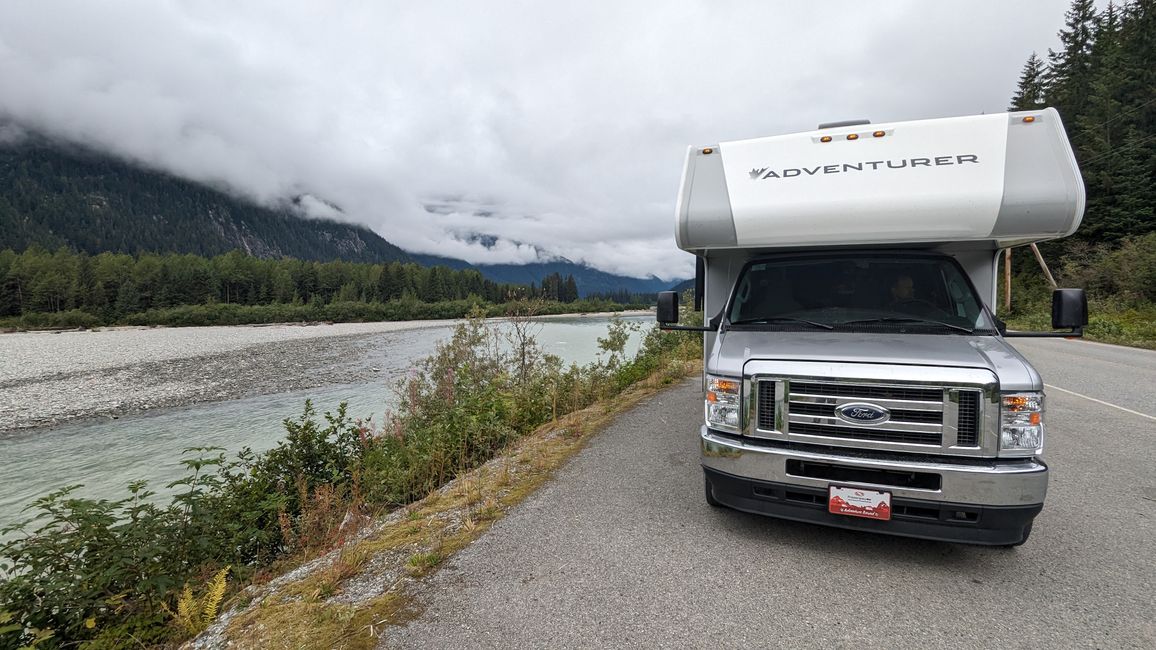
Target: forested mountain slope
x: 55, y: 195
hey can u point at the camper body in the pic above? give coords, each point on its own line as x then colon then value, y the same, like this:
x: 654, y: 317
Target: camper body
x: 855, y: 373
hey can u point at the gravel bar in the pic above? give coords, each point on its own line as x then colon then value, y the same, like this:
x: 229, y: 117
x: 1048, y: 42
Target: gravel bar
x: 47, y: 378
x: 51, y: 377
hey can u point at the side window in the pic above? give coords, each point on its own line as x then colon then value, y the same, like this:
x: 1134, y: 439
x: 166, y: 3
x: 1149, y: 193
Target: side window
x: 742, y: 297
x: 958, y: 296
x: 744, y: 294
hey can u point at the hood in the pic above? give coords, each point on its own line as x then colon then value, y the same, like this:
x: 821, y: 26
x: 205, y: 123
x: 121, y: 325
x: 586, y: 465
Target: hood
x: 734, y: 348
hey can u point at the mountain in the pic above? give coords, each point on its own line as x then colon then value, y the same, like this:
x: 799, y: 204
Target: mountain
x: 56, y: 195
x: 588, y: 279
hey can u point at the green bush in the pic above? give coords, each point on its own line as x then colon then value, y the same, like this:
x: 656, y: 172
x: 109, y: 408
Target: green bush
x: 71, y: 319
x: 1125, y: 272
x: 1120, y: 282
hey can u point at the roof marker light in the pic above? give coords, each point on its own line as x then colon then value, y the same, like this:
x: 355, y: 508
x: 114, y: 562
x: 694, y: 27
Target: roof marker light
x: 879, y: 134
x: 852, y: 136
x: 708, y: 151
x: 1030, y: 118
x: 825, y: 138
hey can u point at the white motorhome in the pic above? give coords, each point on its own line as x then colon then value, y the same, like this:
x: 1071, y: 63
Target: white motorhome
x: 856, y: 374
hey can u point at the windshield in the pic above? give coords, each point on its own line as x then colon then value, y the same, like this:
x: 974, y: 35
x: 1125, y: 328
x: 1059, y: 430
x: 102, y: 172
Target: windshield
x: 859, y: 293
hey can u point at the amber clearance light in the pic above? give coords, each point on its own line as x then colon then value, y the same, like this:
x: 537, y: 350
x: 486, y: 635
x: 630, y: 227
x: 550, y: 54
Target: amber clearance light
x: 1016, y: 402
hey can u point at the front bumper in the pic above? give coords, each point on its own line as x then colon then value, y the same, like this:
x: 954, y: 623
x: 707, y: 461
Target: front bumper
x: 978, y: 501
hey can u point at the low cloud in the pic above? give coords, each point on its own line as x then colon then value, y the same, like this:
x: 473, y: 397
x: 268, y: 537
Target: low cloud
x: 539, y: 129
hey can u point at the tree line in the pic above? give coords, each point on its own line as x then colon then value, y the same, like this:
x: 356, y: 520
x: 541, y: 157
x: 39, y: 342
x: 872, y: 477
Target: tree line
x: 1102, y: 80
x: 111, y: 286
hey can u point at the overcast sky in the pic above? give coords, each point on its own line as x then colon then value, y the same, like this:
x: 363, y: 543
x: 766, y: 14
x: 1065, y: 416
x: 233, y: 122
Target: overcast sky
x: 553, y: 126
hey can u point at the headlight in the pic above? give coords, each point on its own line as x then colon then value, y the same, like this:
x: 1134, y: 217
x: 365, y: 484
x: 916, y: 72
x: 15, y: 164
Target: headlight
x: 722, y: 403
x: 1021, y: 424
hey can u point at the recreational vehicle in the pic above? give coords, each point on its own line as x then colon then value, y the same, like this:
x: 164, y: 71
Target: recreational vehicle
x: 855, y: 371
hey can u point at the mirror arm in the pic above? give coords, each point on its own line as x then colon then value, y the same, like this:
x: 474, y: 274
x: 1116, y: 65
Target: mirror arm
x: 1077, y: 332
x: 685, y: 328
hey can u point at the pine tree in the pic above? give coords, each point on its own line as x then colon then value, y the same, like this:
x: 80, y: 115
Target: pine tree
x: 387, y: 285
x: 1098, y: 128
x: 1030, y: 90
x: 571, y: 289
x: 1070, y: 69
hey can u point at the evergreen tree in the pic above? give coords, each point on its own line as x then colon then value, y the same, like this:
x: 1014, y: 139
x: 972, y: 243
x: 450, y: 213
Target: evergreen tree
x: 1103, y: 81
x: 1030, y: 91
x: 1070, y: 69
x: 570, y: 293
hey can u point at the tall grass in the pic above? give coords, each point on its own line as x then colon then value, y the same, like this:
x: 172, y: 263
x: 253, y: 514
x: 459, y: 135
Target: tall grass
x: 117, y: 573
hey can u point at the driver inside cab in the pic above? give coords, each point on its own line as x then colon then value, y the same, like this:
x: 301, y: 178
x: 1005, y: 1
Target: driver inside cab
x: 902, y: 290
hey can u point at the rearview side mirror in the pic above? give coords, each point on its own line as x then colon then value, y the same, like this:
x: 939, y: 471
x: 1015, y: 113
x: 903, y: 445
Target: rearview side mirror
x: 1069, y: 308
x: 667, y: 307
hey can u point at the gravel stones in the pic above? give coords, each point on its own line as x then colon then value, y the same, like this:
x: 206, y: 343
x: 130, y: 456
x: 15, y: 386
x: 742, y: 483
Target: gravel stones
x: 51, y: 377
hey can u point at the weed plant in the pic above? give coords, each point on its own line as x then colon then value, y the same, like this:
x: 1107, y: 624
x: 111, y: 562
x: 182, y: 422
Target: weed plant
x: 100, y: 573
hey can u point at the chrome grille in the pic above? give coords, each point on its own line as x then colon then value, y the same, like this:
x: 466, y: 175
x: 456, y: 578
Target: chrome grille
x: 931, y: 410
x: 868, y: 392
x: 916, y: 413
x: 767, y: 405
x: 861, y: 434
x: 968, y: 418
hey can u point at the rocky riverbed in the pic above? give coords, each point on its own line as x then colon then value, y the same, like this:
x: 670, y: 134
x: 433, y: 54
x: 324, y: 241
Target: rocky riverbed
x: 47, y: 378
x: 51, y: 377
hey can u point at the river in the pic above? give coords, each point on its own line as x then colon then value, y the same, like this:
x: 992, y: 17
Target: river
x: 106, y: 454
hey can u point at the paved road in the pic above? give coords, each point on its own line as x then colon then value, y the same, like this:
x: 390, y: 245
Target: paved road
x: 1122, y: 376
x: 620, y: 550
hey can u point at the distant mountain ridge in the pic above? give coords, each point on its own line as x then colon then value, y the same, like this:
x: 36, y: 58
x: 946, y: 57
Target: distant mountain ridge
x: 54, y: 195
x: 589, y: 280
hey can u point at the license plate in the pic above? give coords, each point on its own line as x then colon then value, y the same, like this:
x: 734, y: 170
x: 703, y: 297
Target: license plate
x: 857, y: 502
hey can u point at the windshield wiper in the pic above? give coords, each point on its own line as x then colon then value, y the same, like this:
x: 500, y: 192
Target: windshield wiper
x: 780, y: 319
x: 897, y: 319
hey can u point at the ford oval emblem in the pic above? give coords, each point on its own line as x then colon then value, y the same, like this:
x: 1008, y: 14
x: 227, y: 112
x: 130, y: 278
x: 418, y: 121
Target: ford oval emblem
x: 862, y: 413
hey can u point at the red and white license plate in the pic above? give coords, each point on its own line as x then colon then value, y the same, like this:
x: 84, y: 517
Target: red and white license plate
x: 857, y: 502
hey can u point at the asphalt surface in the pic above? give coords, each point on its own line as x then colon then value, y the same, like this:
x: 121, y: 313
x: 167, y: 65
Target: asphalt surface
x: 620, y: 550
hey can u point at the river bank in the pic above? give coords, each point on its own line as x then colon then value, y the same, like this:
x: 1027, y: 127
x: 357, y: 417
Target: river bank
x: 242, y: 512
x: 47, y: 378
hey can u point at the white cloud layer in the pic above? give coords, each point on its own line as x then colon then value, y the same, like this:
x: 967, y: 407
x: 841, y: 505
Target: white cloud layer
x: 554, y: 127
